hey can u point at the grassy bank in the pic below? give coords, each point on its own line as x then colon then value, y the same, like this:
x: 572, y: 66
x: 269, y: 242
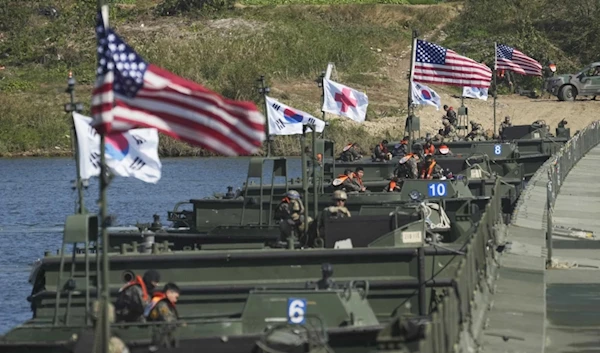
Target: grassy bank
x: 226, y: 50
x: 226, y: 45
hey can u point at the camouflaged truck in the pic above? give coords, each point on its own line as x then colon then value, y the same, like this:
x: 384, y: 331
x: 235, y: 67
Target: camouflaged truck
x: 584, y: 83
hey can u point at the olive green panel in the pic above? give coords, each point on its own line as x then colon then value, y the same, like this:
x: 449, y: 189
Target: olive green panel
x: 280, y: 167
x: 80, y: 228
x: 412, y: 235
x: 435, y: 189
x: 332, y: 308
x: 494, y: 149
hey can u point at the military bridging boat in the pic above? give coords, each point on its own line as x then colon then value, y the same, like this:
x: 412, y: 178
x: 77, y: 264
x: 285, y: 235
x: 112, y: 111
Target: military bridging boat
x: 398, y: 275
x: 249, y: 284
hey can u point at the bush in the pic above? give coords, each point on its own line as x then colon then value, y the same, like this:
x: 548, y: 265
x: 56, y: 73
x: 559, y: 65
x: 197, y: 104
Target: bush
x: 176, y: 7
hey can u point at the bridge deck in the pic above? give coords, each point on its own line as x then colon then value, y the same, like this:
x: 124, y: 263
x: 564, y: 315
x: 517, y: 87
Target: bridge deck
x: 554, y: 310
x: 573, y: 293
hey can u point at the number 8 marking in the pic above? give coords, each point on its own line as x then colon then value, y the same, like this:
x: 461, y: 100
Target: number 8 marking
x: 497, y: 149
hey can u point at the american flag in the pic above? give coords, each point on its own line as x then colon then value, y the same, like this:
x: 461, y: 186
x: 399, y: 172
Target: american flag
x: 131, y: 93
x: 438, y: 65
x: 508, y: 58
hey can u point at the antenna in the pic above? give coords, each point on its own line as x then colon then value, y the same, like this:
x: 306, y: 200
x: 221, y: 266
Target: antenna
x: 70, y: 108
x: 264, y: 89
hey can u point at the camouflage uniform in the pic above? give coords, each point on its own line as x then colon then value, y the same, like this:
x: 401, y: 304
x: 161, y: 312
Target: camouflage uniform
x: 451, y: 116
x: 477, y: 133
x: 289, y: 209
x: 400, y: 149
x: 130, y: 304
x: 448, y: 133
x: 162, y: 311
x: 436, y: 173
x: 506, y: 123
x: 336, y: 212
x: 350, y: 155
x: 350, y: 185
x: 380, y: 152
x: 408, y: 169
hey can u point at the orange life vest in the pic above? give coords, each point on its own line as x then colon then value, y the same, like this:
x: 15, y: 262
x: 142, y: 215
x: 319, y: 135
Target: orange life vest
x: 137, y: 281
x: 358, y: 180
x: 392, y: 185
x: 157, y: 298
x: 429, y: 150
x: 427, y: 174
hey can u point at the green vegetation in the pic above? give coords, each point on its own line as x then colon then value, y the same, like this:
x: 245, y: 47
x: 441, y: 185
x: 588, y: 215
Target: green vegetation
x: 227, y: 44
x: 564, y: 32
x: 226, y: 50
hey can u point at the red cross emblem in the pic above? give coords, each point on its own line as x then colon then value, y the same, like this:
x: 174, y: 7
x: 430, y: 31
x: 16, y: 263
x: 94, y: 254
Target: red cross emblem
x: 345, y: 99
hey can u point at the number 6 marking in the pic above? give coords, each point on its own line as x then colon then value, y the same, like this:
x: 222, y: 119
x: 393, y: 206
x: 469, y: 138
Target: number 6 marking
x: 296, y: 310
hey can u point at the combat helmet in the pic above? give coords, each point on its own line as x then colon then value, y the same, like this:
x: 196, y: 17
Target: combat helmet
x: 293, y: 195
x: 339, y: 195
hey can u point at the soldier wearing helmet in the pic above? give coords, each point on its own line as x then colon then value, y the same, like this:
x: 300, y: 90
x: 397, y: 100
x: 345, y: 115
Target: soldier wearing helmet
x: 338, y: 209
x: 477, y: 133
x: 428, y: 148
x: 506, y: 123
x: 430, y: 169
x: 448, y: 133
x: 291, y: 211
x: 450, y: 115
x: 290, y: 207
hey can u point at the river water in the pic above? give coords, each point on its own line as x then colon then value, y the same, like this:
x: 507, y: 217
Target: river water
x: 36, y: 197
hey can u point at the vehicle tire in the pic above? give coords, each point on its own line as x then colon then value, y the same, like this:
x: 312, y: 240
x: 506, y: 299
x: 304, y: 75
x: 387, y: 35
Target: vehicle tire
x: 567, y: 94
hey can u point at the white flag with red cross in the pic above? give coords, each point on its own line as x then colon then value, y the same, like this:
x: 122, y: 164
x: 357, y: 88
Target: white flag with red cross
x: 344, y: 101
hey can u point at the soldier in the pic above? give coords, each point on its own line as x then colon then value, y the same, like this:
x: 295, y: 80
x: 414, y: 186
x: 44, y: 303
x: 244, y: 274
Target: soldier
x: 408, y: 167
x: 451, y: 115
x: 359, y: 172
x: 350, y: 153
x: 430, y: 169
x: 381, y: 153
x: 291, y: 211
x: 401, y: 149
x: 395, y: 185
x: 448, y: 133
x: 134, y: 296
x: 338, y: 210
x: 230, y: 194
x: 506, y: 123
x: 162, y: 305
x: 477, y: 133
x: 428, y: 148
x: 347, y: 182
x: 87, y: 338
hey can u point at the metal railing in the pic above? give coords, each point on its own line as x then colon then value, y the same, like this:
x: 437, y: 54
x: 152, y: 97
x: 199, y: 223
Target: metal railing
x: 559, y: 166
x: 458, y: 312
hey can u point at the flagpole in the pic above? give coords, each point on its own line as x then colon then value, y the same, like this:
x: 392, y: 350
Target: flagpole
x: 321, y: 83
x: 70, y: 108
x: 409, y: 119
x: 103, y: 6
x: 264, y: 90
x: 495, y: 84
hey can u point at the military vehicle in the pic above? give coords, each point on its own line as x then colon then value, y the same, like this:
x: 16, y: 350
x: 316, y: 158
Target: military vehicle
x: 568, y: 86
x: 383, y: 256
